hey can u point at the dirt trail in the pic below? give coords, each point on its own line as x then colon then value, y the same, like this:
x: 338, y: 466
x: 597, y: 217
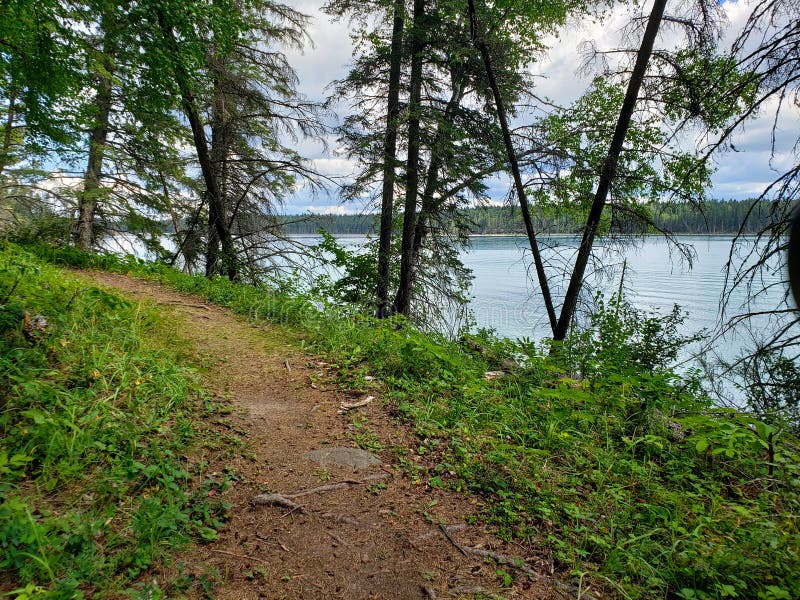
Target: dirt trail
x: 377, y: 539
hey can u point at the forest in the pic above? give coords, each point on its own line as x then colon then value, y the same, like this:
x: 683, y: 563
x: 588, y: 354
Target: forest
x: 181, y: 126
x: 717, y: 217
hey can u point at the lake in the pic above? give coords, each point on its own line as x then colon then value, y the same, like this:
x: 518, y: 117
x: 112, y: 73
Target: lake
x: 504, y: 298
x: 655, y: 278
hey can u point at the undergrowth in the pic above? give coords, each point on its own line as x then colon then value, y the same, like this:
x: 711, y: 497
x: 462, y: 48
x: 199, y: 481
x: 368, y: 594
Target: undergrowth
x: 95, y: 414
x: 597, y: 451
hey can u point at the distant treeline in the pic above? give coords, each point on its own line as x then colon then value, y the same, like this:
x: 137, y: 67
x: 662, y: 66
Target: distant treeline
x: 713, y: 217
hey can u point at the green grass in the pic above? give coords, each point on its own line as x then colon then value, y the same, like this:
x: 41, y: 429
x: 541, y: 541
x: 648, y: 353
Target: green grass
x: 95, y: 413
x: 601, y: 455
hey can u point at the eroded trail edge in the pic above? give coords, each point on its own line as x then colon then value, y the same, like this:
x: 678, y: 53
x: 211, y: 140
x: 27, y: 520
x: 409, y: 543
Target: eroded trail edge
x: 302, y: 523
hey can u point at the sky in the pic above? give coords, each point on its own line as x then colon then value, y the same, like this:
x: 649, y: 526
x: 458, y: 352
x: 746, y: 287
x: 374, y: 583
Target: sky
x: 739, y: 174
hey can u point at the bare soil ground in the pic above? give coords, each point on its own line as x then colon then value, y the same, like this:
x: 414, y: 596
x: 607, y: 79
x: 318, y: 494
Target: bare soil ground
x: 382, y: 534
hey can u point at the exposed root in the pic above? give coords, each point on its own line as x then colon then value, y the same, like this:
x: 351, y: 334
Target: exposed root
x: 430, y: 534
x: 278, y: 500
x: 446, y: 533
x: 428, y: 591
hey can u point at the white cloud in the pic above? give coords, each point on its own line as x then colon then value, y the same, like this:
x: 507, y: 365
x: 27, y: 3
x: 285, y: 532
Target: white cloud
x: 332, y: 166
x: 60, y: 181
x: 331, y: 210
x: 330, y: 54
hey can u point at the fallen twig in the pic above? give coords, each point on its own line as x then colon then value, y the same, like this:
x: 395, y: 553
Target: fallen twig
x: 276, y: 542
x: 345, y: 406
x: 278, y: 500
x: 430, y: 534
x: 71, y: 300
x: 286, y: 364
x: 446, y: 533
x: 286, y: 500
x: 491, y: 375
x: 7, y: 297
x: 337, y: 538
x: 514, y: 563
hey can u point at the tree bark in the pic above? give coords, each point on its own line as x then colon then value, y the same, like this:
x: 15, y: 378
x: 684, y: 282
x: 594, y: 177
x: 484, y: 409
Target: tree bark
x: 512, y: 161
x: 609, y: 170
x: 220, y: 143
x: 216, y: 208
x: 5, y: 154
x: 389, y: 160
x: 793, y: 255
x: 402, y: 302
x: 98, y: 138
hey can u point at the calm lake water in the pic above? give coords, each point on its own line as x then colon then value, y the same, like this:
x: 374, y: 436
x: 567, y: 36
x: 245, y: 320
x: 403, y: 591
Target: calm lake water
x: 655, y: 279
x: 505, y: 298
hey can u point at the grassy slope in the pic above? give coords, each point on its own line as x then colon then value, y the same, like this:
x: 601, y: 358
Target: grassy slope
x: 627, y: 475
x: 95, y: 412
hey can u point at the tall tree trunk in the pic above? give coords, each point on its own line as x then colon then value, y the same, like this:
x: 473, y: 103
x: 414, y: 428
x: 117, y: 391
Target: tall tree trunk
x: 216, y: 208
x: 389, y: 160
x: 98, y: 138
x: 609, y: 170
x: 220, y: 141
x: 512, y: 161
x: 402, y: 302
x: 429, y: 203
x: 5, y: 153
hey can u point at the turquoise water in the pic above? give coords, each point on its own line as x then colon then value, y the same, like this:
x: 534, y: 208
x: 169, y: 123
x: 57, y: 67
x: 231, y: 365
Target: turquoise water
x: 656, y: 277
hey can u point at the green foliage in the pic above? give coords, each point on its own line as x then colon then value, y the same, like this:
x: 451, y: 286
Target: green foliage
x: 652, y: 164
x: 357, y: 274
x: 616, y: 465
x: 709, y: 217
x: 93, y: 419
x: 39, y: 71
x: 709, y: 88
x: 620, y: 338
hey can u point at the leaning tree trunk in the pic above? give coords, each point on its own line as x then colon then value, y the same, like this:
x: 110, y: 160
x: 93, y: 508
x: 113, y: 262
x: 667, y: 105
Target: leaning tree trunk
x: 512, y: 161
x: 98, y: 138
x: 609, y: 170
x: 216, y: 208
x: 402, y: 302
x: 389, y: 160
